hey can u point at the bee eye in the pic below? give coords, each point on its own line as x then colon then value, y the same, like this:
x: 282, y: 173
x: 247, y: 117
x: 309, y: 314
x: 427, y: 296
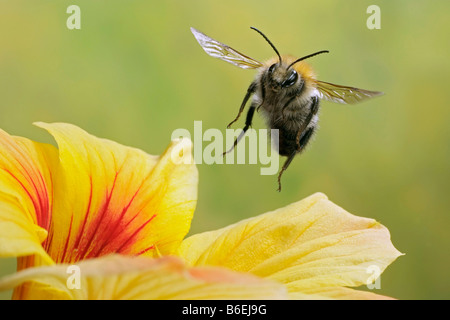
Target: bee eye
x: 271, y: 68
x: 290, y: 80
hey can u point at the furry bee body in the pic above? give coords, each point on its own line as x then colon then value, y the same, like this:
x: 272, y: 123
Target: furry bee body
x: 292, y: 110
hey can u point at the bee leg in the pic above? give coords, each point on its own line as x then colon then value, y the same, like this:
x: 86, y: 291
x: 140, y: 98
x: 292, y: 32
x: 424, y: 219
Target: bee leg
x: 251, y: 89
x: 248, y: 123
x: 297, y: 140
x: 302, y: 140
x: 259, y: 107
x: 263, y: 94
x: 285, y: 166
x: 302, y: 134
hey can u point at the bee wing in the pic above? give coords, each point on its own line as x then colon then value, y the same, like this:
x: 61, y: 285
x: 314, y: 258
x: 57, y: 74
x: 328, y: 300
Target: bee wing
x: 219, y: 50
x: 344, y: 94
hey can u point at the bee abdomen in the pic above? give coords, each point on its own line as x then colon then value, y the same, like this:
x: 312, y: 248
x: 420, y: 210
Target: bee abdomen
x: 294, y: 133
x: 288, y: 142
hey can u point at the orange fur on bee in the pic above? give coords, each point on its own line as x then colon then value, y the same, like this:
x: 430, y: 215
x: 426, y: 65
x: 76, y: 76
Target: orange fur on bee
x: 302, y: 67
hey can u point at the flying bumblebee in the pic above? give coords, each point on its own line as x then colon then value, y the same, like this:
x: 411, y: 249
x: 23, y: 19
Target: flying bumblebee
x: 287, y: 92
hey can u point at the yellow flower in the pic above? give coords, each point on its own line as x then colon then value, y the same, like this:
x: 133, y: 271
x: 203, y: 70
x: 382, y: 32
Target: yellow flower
x: 113, y: 211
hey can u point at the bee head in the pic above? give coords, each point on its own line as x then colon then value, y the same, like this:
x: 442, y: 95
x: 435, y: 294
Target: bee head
x: 282, y: 76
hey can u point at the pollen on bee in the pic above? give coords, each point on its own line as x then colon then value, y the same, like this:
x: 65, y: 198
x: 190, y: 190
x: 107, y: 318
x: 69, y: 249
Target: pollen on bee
x: 305, y: 70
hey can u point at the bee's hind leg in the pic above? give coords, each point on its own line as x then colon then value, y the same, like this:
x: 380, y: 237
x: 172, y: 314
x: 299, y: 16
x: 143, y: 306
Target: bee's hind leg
x: 285, y: 166
x: 248, y: 123
x: 301, y: 142
x: 251, y: 89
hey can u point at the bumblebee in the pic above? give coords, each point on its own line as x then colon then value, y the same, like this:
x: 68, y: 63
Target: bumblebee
x: 287, y: 92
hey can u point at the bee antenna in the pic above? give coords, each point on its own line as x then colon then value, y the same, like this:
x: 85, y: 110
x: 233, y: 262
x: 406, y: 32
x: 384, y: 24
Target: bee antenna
x: 308, y: 56
x: 267, y: 39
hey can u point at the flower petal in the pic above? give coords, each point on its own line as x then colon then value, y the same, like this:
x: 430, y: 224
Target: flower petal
x: 306, y: 245
x: 25, y: 195
x: 110, y: 198
x: 121, y: 277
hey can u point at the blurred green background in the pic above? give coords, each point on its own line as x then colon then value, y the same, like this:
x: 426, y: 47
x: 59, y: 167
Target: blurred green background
x: 134, y: 73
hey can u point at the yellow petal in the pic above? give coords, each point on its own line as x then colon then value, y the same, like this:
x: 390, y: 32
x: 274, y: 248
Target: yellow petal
x: 121, y: 277
x: 309, y: 244
x: 110, y: 198
x: 25, y: 195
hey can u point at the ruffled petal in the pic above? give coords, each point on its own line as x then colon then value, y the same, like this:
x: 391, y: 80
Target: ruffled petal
x: 120, y: 277
x: 306, y: 245
x: 26, y: 192
x: 110, y: 198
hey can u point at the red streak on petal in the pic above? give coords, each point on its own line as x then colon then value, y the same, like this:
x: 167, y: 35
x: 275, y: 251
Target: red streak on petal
x: 84, y: 252
x: 41, y: 204
x: 113, y: 230
x: 81, y: 231
x: 67, y: 242
x: 48, y: 240
x: 125, y: 244
x: 145, y: 250
x: 44, y: 203
x: 41, y: 211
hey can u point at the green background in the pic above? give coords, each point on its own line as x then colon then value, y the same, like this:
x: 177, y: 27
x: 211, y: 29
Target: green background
x: 134, y: 73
